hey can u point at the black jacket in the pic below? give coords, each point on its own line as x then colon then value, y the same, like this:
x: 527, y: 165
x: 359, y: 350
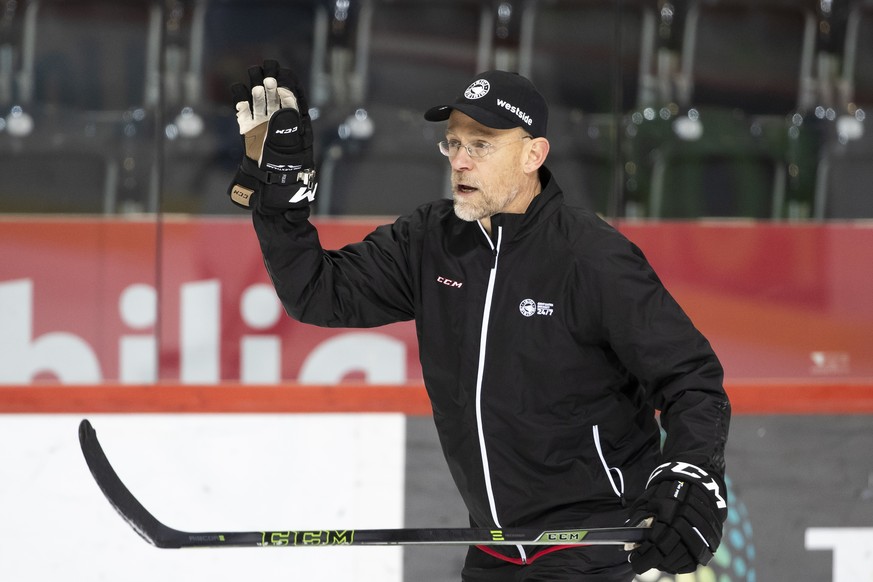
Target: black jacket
x: 545, y: 349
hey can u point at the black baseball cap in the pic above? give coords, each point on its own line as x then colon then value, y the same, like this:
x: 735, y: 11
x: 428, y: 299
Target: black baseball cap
x: 501, y: 100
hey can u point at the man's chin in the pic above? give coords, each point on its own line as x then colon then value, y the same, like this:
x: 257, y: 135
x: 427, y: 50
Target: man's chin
x: 466, y: 213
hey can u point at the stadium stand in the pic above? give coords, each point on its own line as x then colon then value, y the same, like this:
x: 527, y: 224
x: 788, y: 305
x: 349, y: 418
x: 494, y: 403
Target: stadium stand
x: 11, y: 26
x: 728, y: 173
x: 845, y: 175
x: 723, y: 148
x: 384, y: 158
x: 845, y: 171
x: 665, y: 109
x: 208, y: 44
x: 596, y: 56
x: 593, y: 61
x: 58, y: 180
x: 78, y: 103
x: 756, y: 55
x: 858, y: 70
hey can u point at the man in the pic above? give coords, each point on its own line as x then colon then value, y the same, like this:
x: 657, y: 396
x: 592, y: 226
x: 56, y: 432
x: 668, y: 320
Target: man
x: 546, y: 340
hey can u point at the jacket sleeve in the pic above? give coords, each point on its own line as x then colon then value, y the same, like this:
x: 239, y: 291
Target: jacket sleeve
x: 674, y: 363
x: 364, y: 284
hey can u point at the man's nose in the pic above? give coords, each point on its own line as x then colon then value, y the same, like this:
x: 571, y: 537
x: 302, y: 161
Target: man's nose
x: 461, y: 160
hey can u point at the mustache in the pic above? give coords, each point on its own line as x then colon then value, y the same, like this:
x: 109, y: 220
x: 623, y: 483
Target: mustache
x: 458, y: 179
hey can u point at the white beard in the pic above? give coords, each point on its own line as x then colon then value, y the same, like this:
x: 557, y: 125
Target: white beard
x: 473, y: 209
x: 468, y: 212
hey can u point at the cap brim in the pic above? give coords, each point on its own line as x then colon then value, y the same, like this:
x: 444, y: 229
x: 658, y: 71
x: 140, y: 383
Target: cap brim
x: 483, y: 116
x: 438, y: 113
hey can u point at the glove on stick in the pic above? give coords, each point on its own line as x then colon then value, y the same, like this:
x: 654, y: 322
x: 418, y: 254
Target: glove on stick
x: 687, y: 506
x: 276, y: 173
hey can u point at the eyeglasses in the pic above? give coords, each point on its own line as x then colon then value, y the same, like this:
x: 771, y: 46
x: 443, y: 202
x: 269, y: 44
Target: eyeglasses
x: 477, y: 149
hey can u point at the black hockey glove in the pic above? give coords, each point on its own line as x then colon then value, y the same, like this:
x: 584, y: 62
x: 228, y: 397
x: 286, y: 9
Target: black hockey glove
x: 277, y: 171
x: 687, y: 507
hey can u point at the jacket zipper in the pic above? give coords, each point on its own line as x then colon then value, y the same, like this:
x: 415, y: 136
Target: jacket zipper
x: 483, y: 341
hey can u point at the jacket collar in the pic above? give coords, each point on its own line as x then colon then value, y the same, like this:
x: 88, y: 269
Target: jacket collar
x: 543, y: 205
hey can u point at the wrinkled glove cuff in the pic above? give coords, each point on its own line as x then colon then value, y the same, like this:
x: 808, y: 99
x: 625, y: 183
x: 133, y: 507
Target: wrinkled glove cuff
x: 271, y: 192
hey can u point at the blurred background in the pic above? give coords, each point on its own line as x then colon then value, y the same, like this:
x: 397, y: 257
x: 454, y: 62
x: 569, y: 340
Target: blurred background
x: 729, y: 139
x: 659, y: 109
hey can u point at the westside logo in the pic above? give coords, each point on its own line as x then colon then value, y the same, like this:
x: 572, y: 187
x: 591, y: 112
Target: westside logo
x: 513, y: 109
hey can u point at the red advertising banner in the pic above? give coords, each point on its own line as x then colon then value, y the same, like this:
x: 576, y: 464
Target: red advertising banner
x: 777, y: 301
x: 91, y: 300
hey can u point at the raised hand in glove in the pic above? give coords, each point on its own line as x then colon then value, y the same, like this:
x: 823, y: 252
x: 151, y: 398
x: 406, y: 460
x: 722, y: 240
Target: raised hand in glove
x: 277, y: 171
x: 686, y: 507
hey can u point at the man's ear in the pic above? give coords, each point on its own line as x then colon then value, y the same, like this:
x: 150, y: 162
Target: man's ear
x: 537, y: 151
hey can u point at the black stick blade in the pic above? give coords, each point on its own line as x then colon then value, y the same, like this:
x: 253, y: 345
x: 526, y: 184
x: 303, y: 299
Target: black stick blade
x: 118, y: 495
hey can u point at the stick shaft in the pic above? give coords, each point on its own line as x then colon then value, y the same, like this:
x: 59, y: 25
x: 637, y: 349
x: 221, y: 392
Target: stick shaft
x: 162, y: 536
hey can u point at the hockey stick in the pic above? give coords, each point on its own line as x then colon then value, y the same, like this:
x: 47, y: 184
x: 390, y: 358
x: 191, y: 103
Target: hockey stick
x: 162, y: 536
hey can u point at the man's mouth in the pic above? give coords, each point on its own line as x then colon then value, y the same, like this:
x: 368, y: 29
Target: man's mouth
x: 465, y: 189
